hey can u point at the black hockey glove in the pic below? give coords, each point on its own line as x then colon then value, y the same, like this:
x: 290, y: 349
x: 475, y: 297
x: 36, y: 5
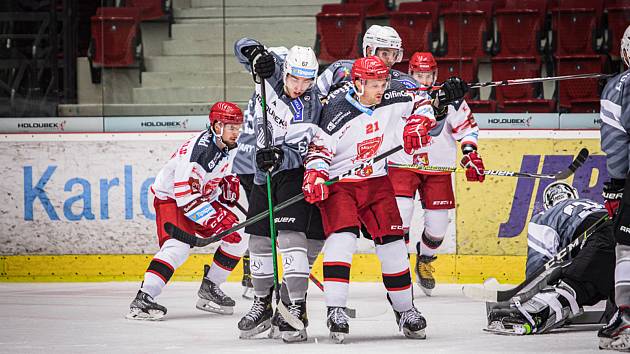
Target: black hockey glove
x: 252, y: 51
x: 268, y: 159
x: 612, y: 193
x: 262, y: 63
x: 452, y: 89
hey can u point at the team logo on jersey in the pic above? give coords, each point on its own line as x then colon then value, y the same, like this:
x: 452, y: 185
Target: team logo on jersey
x: 408, y: 83
x: 421, y: 159
x: 195, y: 186
x: 298, y: 107
x: 368, y: 148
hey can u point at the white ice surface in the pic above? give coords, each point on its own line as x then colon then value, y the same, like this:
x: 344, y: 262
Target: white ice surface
x: 89, y: 318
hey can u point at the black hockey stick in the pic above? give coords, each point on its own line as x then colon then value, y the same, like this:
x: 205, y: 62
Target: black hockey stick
x: 533, y: 284
x: 352, y: 313
x: 195, y: 241
x: 577, y: 163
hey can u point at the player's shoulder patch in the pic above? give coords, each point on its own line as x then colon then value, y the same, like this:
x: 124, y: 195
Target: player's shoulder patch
x: 206, y: 153
x: 337, y: 111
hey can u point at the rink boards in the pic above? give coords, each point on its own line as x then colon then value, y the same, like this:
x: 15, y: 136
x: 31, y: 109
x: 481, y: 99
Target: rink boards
x: 76, y: 207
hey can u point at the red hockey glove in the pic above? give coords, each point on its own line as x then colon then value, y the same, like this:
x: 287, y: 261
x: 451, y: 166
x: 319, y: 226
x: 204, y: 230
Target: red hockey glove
x: 220, y: 221
x: 473, y: 164
x: 313, y: 186
x: 416, y: 133
x: 612, y: 193
x: 230, y: 190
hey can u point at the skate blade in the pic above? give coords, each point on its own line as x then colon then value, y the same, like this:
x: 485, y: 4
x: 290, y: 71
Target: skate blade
x: 294, y: 336
x: 250, y: 334
x: 248, y: 293
x: 498, y: 328
x: 426, y: 291
x: 209, y: 306
x: 274, y: 333
x: 337, y: 337
x: 421, y: 334
x: 139, y: 315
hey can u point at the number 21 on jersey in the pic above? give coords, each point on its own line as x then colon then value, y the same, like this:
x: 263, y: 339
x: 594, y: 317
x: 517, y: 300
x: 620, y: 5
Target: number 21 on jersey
x: 371, y: 128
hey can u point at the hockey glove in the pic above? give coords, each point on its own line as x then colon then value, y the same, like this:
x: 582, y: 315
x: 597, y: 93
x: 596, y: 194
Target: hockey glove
x: 453, y: 89
x: 221, y: 220
x: 416, y: 133
x: 252, y: 51
x: 313, y: 186
x: 268, y: 159
x: 264, y: 65
x: 612, y: 193
x: 473, y: 164
x: 230, y: 190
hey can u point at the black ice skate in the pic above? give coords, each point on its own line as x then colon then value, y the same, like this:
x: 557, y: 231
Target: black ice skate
x: 337, y: 323
x: 258, y: 319
x: 616, y: 334
x: 143, y: 307
x: 412, y: 323
x: 246, y: 282
x: 424, y: 273
x: 290, y: 334
x: 212, y: 299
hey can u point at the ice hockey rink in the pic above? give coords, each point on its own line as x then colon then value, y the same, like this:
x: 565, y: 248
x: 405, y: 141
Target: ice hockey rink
x: 89, y: 318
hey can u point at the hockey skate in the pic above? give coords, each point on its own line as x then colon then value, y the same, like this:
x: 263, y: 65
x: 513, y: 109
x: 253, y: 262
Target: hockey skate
x: 143, y: 307
x: 212, y: 299
x: 246, y: 282
x: 337, y: 323
x: 616, y: 334
x: 412, y: 323
x: 258, y: 319
x: 276, y: 319
x: 536, y: 315
x: 290, y: 334
x: 424, y: 273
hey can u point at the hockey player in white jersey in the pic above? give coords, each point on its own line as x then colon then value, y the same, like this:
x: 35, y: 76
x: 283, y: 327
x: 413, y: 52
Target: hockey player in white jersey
x: 194, y: 192
x: 615, y: 141
x: 358, y: 123
x: 293, y: 107
x: 566, y: 289
x: 455, y: 123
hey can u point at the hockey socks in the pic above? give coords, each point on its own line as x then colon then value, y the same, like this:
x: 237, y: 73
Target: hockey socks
x: 396, y: 274
x: 338, y: 251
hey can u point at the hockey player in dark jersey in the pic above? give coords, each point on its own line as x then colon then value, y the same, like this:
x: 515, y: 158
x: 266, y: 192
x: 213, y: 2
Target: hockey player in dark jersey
x: 615, y: 141
x: 194, y: 192
x: 293, y: 107
x: 586, y: 280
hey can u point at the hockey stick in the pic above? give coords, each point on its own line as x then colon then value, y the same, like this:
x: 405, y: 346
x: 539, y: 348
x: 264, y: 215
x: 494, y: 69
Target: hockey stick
x: 577, y: 163
x: 352, y: 313
x: 532, y: 80
x: 195, y: 241
x: 533, y: 284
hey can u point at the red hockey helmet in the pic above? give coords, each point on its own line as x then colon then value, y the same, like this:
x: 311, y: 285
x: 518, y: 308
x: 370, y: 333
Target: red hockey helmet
x: 369, y: 68
x: 422, y: 61
x: 226, y: 113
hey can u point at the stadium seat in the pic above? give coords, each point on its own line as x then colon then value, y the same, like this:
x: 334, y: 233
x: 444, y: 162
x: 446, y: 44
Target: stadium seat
x: 432, y: 7
x: 373, y: 8
x: 519, y: 32
x: 116, y: 40
x: 575, y: 28
x: 465, y: 33
x: 578, y: 95
x: 477, y: 5
x: 597, y: 5
x: 339, y: 31
x: 482, y: 106
x: 154, y: 10
x: 466, y: 68
x: 618, y: 20
x: 518, y: 97
x: 415, y: 28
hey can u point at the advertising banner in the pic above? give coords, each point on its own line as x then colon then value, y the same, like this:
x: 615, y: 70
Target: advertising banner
x: 156, y: 123
x: 51, y: 125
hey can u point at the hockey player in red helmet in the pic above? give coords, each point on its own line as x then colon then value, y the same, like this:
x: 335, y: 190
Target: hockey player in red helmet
x: 194, y: 191
x: 455, y: 123
x: 357, y: 124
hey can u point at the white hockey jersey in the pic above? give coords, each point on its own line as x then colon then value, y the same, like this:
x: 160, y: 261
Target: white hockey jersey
x: 458, y: 125
x: 191, y: 177
x: 349, y: 133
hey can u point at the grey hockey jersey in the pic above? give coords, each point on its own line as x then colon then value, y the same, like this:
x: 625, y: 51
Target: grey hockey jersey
x: 553, y: 229
x: 291, y: 122
x: 244, y: 161
x: 615, y: 115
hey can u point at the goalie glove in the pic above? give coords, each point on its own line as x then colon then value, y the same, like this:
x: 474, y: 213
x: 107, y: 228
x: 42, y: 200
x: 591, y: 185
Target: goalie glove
x: 314, y: 187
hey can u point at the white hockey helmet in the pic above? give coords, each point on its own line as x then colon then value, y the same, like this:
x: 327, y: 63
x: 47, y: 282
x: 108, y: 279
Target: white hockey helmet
x: 557, y: 192
x: 300, y: 62
x: 625, y: 46
x: 382, y: 37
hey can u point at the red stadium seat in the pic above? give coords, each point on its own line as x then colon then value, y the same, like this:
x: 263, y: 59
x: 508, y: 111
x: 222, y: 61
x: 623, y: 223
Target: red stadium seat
x: 466, y: 68
x: 597, y: 5
x: 465, y: 33
x: 478, y: 5
x: 538, y: 5
x: 482, y: 106
x: 575, y: 26
x: 116, y: 39
x: 415, y: 29
x: 578, y: 95
x: 339, y: 31
x: 519, y: 32
x: 373, y: 8
x: 618, y: 20
x: 154, y: 10
x: 425, y: 6
x: 511, y: 98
